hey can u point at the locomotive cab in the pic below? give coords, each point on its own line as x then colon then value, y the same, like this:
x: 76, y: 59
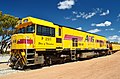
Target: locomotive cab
x: 33, y: 36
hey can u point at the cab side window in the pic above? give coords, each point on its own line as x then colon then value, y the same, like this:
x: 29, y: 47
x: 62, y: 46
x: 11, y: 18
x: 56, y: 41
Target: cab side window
x: 45, y: 31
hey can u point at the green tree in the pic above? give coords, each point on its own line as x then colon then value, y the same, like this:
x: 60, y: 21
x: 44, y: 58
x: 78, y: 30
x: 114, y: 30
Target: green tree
x: 7, y: 27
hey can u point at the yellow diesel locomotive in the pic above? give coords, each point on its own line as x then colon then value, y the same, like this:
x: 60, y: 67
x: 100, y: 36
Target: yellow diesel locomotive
x: 42, y: 42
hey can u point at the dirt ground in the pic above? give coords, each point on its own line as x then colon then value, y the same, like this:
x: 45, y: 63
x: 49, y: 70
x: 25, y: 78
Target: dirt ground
x: 107, y: 67
x: 3, y: 65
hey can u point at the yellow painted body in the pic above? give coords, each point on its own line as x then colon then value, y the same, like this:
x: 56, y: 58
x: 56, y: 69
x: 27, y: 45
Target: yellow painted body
x: 41, y: 42
x: 83, y: 44
x: 115, y: 47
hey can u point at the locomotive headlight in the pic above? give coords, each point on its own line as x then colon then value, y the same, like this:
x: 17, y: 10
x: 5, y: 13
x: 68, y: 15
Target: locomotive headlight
x: 23, y: 53
x: 25, y: 20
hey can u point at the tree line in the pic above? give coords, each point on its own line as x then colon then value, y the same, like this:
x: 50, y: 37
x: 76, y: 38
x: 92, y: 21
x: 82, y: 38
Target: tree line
x: 7, y: 29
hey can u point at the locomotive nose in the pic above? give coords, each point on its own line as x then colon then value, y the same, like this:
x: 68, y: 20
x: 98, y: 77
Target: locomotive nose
x: 20, y: 41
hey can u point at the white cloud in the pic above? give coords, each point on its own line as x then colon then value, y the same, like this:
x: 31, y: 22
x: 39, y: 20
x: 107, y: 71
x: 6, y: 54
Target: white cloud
x: 94, y: 31
x: 105, y: 13
x: 86, y: 15
x: 97, y: 10
x: 79, y: 28
x: 118, y: 15
x: 111, y: 29
x: 78, y: 16
x: 82, y: 13
x: 73, y: 19
x: 66, y: 4
x: 90, y: 15
x: 74, y: 12
x: 106, y: 23
x: 67, y: 17
x: 114, y: 38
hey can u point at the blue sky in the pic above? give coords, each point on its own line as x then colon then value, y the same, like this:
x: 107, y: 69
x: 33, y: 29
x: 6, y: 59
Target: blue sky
x: 96, y: 16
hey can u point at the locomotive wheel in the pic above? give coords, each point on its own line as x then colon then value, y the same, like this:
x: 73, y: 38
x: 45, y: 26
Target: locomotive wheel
x: 48, y: 62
